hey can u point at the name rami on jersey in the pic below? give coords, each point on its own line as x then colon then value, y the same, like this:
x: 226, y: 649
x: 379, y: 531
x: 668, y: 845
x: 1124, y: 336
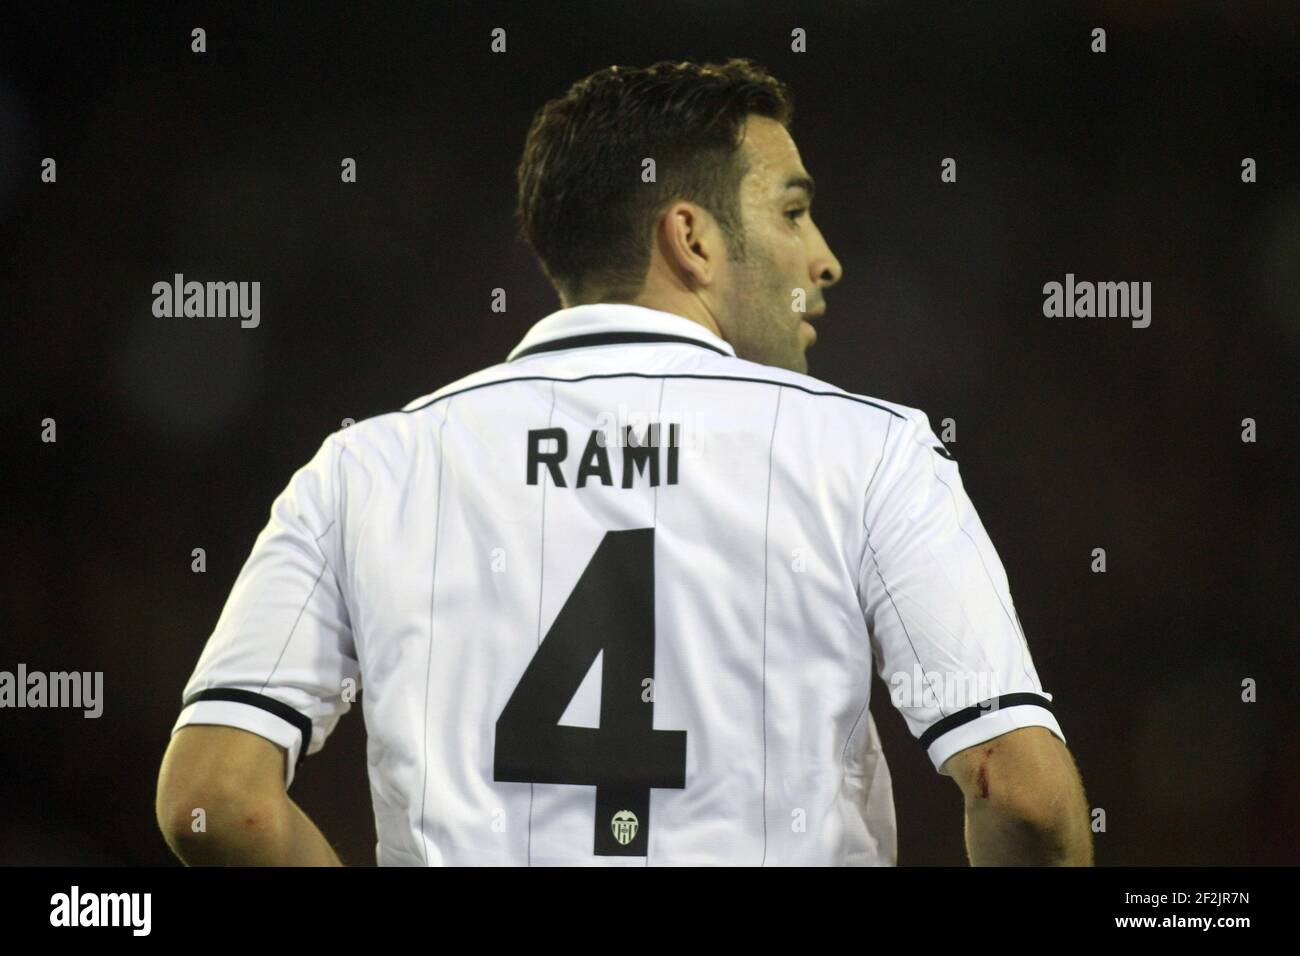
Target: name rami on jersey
x: 549, y: 447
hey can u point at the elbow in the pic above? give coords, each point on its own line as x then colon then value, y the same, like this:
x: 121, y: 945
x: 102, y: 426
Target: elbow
x: 1039, y: 811
x: 1051, y: 825
x: 213, y: 826
x: 220, y: 794
x: 178, y: 813
x: 1023, y: 791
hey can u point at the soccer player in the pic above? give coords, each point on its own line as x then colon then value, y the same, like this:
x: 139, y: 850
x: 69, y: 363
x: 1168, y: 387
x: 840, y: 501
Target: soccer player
x: 618, y: 599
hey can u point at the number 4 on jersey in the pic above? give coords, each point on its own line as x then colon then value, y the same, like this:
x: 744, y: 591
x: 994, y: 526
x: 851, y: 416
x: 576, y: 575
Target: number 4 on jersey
x: 612, y: 609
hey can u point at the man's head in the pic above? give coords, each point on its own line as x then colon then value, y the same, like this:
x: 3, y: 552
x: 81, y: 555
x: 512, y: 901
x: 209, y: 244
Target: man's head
x: 717, y: 228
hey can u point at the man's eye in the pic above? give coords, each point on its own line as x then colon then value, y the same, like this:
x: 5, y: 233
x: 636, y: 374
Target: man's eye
x: 794, y: 214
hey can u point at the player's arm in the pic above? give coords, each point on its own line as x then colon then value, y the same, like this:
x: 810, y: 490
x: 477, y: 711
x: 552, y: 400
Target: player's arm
x: 948, y: 643
x: 269, y: 687
x: 236, y: 779
x: 1024, y: 800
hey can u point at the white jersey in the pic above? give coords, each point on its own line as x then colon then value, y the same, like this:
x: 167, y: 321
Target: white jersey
x: 617, y: 601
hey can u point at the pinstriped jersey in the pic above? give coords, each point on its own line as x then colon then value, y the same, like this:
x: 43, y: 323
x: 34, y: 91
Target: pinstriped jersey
x: 618, y: 600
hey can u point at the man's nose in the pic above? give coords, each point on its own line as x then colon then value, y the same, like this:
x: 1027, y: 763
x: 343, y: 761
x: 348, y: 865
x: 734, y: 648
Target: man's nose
x: 826, y: 270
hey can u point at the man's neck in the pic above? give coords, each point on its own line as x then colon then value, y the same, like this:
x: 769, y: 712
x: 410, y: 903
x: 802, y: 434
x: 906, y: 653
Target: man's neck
x: 688, y: 307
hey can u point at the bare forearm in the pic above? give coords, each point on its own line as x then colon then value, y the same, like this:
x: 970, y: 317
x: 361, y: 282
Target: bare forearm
x: 995, y: 837
x: 274, y: 832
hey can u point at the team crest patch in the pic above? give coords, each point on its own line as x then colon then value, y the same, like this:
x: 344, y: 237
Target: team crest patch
x: 624, y: 824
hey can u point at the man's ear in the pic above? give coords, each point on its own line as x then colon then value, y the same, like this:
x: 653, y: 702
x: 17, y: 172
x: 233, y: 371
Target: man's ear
x: 689, y: 241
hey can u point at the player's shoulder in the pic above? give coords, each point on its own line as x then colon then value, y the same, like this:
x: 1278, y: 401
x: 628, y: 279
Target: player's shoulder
x: 467, y: 383
x: 394, y: 432
x: 827, y: 399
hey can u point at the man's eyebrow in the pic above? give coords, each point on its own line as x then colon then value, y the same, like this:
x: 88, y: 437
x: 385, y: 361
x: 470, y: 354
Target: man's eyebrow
x: 802, y: 182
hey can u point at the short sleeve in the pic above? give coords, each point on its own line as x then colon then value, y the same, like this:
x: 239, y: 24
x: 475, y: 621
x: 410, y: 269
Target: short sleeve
x: 281, y: 662
x: 945, y: 635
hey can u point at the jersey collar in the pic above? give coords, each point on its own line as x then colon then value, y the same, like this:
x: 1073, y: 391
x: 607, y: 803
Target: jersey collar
x: 614, y: 323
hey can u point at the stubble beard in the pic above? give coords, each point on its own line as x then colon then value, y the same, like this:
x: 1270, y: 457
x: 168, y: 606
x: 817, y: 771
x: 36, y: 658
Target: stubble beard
x: 754, y: 306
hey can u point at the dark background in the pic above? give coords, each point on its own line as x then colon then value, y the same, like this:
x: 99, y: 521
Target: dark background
x: 1072, y: 433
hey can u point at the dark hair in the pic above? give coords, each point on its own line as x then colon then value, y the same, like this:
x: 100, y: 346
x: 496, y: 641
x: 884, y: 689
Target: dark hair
x: 583, y: 207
